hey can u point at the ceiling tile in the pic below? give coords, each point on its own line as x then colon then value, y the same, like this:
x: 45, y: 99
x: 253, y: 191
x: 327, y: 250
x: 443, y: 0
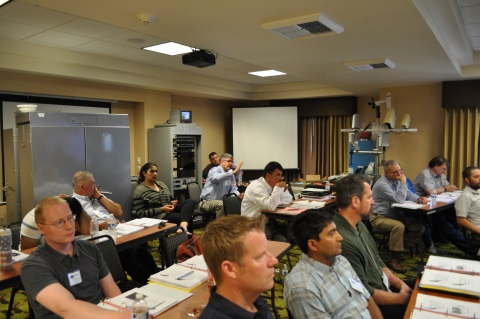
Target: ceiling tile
x: 134, y: 39
x: 58, y: 39
x: 17, y: 31
x: 89, y: 28
x: 102, y: 48
x: 34, y: 15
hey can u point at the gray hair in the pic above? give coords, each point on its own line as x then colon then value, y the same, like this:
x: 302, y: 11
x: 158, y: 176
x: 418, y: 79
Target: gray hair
x: 225, y: 156
x: 389, y: 163
x: 79, y: 177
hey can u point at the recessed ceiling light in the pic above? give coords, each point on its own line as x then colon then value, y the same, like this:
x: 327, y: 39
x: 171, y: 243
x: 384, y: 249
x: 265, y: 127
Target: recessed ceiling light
x: 2, y: 2
x: 266, y: 73
x: 170, y: 48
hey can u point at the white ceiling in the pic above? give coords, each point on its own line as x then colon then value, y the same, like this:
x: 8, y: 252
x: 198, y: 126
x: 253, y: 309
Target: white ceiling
x: 427, y: 40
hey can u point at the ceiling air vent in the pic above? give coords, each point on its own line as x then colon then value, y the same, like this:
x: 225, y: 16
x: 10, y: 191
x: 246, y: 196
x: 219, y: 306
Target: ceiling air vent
x: 370, y: 65
x: 302, y: 27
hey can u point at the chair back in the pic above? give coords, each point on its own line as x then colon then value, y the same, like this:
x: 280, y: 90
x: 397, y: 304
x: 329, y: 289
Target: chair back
x: 169, y: 242
x: 194, y: 192
x: 290, y: 190
x: 231, y: 204
x: 133, y: 185
x: 15, y: 229
x: 109, y: 252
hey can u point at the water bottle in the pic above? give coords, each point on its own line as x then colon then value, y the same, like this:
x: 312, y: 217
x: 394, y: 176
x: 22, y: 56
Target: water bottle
x: 239, y: 177
x: 284, y: 272
x: 278, y: 277
x: 139, y: 307
x: 112, y: 224
x: 6, y: 260
x: 327, y: 186
x: 433, y: 198
x: 94, y: 226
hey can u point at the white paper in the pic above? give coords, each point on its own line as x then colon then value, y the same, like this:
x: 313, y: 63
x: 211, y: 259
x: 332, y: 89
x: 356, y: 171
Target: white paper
x: 408, y: 204
x: 171, y: 274
x: 145, y: 222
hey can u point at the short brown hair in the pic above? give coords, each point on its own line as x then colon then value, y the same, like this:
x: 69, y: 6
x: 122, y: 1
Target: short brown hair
x: 223, y: 240
x: 44, y: 203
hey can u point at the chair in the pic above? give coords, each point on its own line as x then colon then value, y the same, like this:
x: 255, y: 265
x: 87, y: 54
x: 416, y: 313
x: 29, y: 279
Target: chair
x: 290, y: 190
x: 107, y: 247
x: 15, y: 229
x: 199, y: 218
x: 169, y: 242
x: 383, y: 234
x: 231, y: 204
x: 289, y: 314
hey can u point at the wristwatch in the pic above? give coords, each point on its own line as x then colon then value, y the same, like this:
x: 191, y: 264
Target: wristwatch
x: 99, y: 197
x: 444, y: 189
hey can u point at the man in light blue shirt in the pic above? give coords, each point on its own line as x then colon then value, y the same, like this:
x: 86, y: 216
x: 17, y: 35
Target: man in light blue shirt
x: 390, y: 189
x: 220, y: 181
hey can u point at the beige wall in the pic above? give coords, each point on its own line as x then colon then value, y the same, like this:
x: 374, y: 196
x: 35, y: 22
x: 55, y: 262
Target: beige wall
x: 423, y: 103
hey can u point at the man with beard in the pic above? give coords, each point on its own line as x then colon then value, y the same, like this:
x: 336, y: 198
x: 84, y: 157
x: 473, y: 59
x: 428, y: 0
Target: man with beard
x: 467, y: 206
x: 354, y: 200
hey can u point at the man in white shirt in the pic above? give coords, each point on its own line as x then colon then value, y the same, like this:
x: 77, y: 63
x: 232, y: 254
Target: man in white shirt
x: 85, y: 190
x: 136, y: 261
x: 267, y: 192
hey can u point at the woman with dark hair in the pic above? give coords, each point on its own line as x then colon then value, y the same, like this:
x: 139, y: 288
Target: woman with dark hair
x: 152, y: 199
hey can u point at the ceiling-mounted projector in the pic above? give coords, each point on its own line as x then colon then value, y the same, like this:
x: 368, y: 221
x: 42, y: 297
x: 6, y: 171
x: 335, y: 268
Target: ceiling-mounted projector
x: 199, y: 59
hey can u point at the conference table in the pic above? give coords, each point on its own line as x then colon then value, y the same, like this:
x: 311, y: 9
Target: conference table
x: 201, y: 294
x: 427, y: 209
x: 11, y: 277
x: 416, y: 291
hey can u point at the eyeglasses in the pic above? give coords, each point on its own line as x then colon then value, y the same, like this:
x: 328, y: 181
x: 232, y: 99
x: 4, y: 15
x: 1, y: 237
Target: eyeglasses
x: 397, y: 172
x: 61, y: 222
x: 279, y: 177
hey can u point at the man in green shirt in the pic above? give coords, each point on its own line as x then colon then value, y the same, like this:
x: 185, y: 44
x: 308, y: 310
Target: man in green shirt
x: 354, y: 199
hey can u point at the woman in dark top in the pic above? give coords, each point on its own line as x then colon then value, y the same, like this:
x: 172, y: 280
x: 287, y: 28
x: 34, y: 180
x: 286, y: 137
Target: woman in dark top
x: 152, y: 199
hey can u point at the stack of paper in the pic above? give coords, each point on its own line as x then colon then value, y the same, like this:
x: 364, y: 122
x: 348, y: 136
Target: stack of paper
x: 125, y: 229
x: 408, y: 204
x: 430, y: 307
x: 196, y: 262
x: 159, y: 298
x: 181, y: 276
x: 307, y: 204
x: 145, y: 222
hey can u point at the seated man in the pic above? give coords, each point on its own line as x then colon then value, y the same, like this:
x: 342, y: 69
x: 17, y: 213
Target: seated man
x: 392, y: 188
x: 65, y: 277
x: 214, y: 162
x: 323, y: 284
x: 467, y: 205
x: 136, y: 261
x: 30, y: 237
x: 267, y: 192
x: 354, y: 200
x: 444, y: 223
x: 235, y: 250
x: 220, y: 181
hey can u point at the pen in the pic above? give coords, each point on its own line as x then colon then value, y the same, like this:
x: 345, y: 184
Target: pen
x: 185, y: 275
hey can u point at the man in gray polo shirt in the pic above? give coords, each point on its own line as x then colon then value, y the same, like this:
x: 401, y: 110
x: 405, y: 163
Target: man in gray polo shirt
x: 66, y: 277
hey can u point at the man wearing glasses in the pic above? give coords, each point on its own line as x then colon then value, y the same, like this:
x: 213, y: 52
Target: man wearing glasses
x: 220, y: 182
x: 65, y: 277
x: 267, y: 192
x: 389, y: 189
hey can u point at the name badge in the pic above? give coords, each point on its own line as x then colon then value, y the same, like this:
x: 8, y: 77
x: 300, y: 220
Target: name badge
x: 386, y: 282
x: 357, y: 285
x: 74, y: 277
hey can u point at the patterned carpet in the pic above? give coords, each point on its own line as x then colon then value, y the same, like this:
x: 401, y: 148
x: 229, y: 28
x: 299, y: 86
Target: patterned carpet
x: 20, y: 307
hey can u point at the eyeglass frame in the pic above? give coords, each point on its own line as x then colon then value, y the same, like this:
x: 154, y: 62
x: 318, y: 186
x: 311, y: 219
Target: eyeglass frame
x: 61, y: 222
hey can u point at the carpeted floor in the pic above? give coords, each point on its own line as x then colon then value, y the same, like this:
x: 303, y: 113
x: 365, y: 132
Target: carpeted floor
x: 20, y: 307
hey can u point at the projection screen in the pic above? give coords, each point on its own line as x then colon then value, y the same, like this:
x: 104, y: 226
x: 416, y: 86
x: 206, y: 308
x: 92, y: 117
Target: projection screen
x: 264, y: 134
